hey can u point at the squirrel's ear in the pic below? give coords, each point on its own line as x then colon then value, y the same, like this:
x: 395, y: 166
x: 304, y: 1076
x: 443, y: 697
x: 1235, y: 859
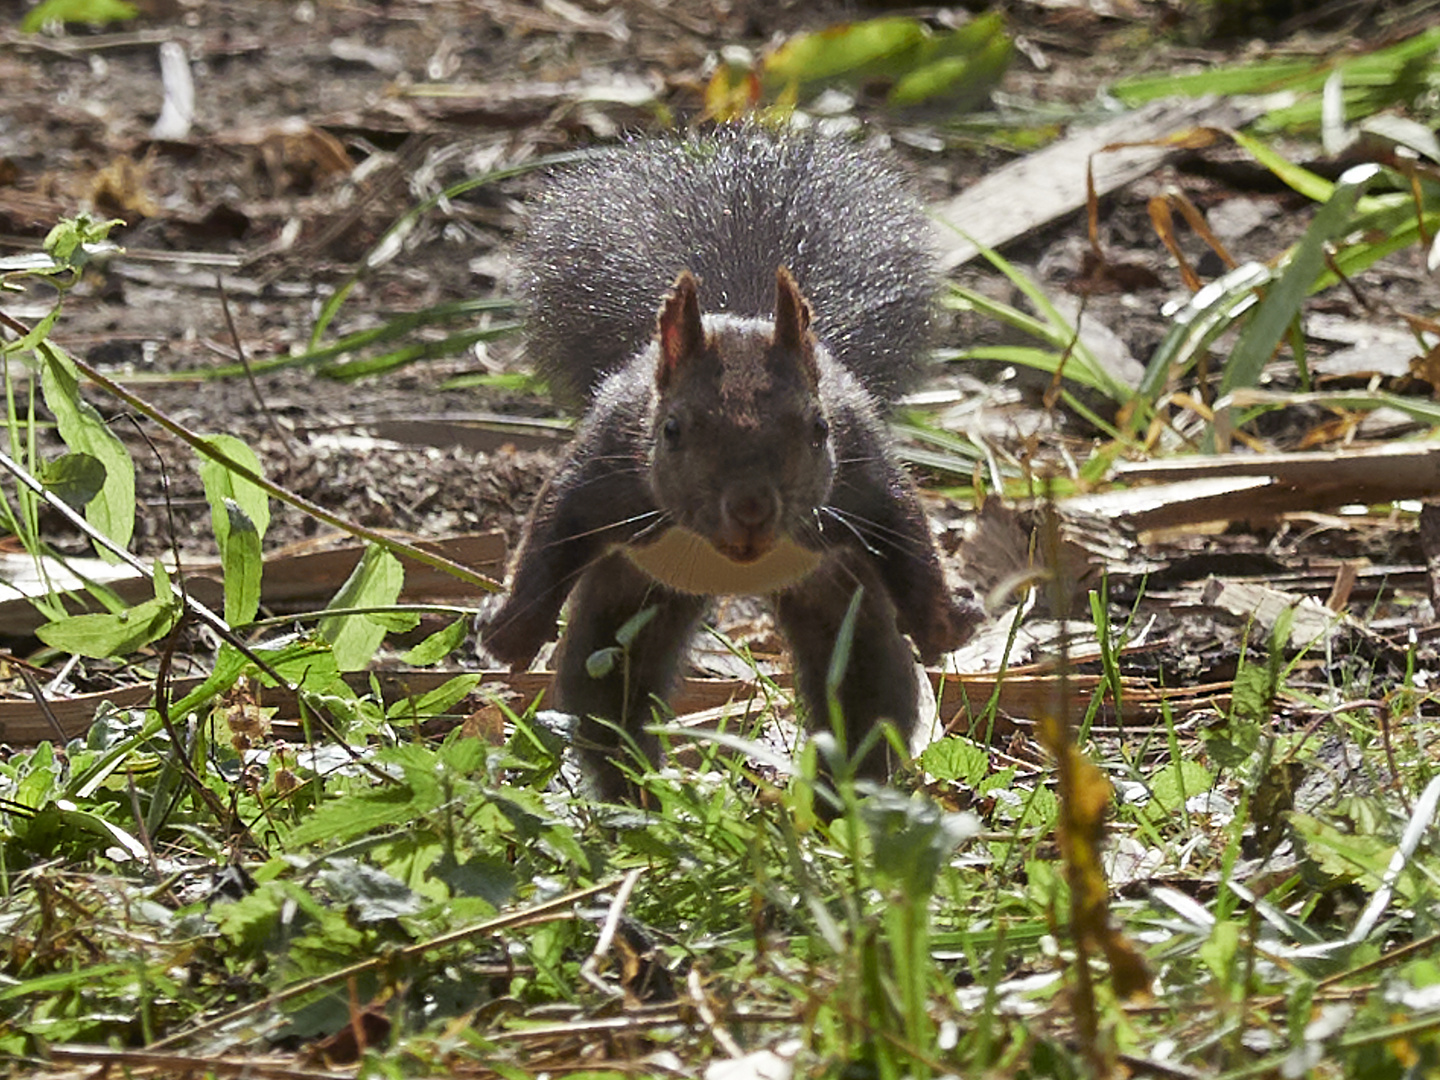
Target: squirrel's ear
x: 680, y: 331
x: 792, y: 324
x: 792, y: 312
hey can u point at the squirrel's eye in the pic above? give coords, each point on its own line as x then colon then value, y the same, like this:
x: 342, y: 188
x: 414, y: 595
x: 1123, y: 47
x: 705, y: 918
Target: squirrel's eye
x: 671, y: 430
x: 821, y: 431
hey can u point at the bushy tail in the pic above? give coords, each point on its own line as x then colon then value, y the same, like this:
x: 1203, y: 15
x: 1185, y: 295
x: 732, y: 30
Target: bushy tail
x: 606, y: 240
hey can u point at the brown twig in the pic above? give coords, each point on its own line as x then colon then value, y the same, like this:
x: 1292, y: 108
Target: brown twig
x: 285, y: 441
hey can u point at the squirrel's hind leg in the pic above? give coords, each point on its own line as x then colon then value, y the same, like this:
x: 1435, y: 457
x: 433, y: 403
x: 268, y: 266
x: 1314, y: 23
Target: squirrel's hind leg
x: 879, y: 680
x: 611, y: 593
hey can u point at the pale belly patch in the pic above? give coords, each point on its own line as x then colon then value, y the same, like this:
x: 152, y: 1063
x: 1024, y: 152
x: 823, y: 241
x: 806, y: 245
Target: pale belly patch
x: 686, y: 562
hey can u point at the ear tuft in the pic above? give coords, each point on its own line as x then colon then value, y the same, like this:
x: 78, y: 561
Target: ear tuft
x: 678, y: 327
x: 793, y: 339
x: 792, y: 312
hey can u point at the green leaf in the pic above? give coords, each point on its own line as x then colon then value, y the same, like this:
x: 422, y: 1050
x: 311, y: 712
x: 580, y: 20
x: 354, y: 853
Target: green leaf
x: 38, y: 333
x: 1203, y: 318
x: 354, y: 815
x: 242, y: 564
x: 601, y: 662
x: 221, y: 484
x: 105, y: 635
x: 112, y: 510
x: 966, y: 76
x: 74, y: 478
x: 71, y: 242
x: 1176, y: 782
x: 630, y: 629
x: 38, y: 785
x: 437, y: 646
x: 856, y: 48
x: 370, y: 895
x: 1233, y: 742
x: 54, y: 983
x: 954, y: 758
x: 160, y: 582
x: 1282, y: 303
x: 375, y: 582
x: 1220, y: 950
x: 1311, y: 185
x: 94, y: 12
x: 395, y: 622
x: 1250, y: 78
x: 1253, y: 693
x: 911, y: 838
x: 1350, y: 856
x: 437, y: 701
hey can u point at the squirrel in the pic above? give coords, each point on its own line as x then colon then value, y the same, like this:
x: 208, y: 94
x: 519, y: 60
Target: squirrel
x: 735, y: 442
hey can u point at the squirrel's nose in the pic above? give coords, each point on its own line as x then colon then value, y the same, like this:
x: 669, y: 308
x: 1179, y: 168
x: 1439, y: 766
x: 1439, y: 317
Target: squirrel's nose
x: 752, y: 510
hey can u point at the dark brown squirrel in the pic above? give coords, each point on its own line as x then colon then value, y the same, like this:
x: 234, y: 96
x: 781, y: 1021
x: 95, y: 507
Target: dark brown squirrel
x: 734, y: 446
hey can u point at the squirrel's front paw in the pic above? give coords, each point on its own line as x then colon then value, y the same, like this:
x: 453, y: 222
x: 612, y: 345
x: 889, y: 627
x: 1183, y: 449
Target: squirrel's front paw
x: 951, y: 623
x: 511, y: 634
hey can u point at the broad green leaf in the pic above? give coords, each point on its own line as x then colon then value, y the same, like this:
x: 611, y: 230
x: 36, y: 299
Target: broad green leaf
x: 1253, y: 693
x: 461, y: 753
x: 1349, y: 855
x: 73, y: 241
x: 375, y: 582
x: 601, y: 662
x: 242, y: 564
x: 954, y: 758
x: 370, y: 895
x: 912, y: 837
x: 74, y: 478
x: 436, y: 701
x: 94, y: 12
x: 84, y: 820
x: 221, y: 484
x: 395, y: 622
x: 105, y: 635
x: 1040, y: 809
x: 963, y: 80
x: 438, y: 645
x: 1220, y: 950
x: 38, y: 785
x: 1176, y: 782
x: 855, y: 48
x: 112, y: 510
x: 490, y: 878
x: 353, y: 815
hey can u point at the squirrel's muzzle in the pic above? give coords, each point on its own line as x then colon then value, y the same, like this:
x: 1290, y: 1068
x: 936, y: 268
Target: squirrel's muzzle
x: 748, y: 523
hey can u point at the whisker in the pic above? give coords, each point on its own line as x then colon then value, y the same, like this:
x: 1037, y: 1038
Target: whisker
x: 841, y: 517
x: 607, y: 527
x: 661, y: 519
x: 904, y: 541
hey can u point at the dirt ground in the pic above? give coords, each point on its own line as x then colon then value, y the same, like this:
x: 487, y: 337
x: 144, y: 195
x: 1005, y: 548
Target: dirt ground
x: 318, y: 124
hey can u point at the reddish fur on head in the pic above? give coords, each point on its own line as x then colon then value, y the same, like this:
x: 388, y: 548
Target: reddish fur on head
x: 792, y: 325
x: 680, y: 330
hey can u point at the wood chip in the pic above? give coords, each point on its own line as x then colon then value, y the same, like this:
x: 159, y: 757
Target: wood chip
x: 1043, y: 186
